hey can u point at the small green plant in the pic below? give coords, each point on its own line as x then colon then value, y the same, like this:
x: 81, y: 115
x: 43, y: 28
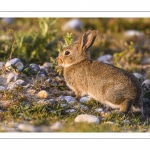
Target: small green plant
x: 68, y: 38
x: 128, y: 58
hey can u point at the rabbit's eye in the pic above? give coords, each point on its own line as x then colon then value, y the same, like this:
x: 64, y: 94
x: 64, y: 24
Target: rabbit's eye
x: 67, y: 52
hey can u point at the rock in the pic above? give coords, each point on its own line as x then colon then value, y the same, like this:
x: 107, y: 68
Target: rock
x: 48, y: 65
x: 105, y: 58
x: 99, y: 109
x: 126, y: 121
x: 12, y: 77
x: 2, y: 65
x: 72, y: 111
x: 63, y: 105
x: 13, y: 85
x: 2, y: 88
x: 83, y: 107
x: 42, y: 94
x: 68, y: 99
x: 74, y: 24
x: 109, y: 122
x: 58, y: 79
x: 87, y: 118
x: 146, y: 86
x: 134, y: 35
x: 34, y: 68
x: 139, y: 76
x: 145, y: 60
x: 5, y: 37
x: 56, y: 126
x: 85, y: 99
x: 15, y: 62
x: 8, y: 20
x: 28, y: 128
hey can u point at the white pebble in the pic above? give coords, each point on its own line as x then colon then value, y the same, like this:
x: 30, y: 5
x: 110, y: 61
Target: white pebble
x: 75, y: 24
x: 28, y: 128
x: 105, y: 58
x: 12, y: 77
x: 68, y: 99
x: 13, y: 85
x: 2, y: 65
x: 85, y: 99
x: 2, y: 88
x: 99, y: 109
x: 42, y: 94
x: 16, y: 62
x: 87, y: 118
x: 72, y: 111
x: 56, y: 126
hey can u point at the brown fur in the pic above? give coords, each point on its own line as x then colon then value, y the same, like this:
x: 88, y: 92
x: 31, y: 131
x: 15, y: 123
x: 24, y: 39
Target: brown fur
x: 106, y: 83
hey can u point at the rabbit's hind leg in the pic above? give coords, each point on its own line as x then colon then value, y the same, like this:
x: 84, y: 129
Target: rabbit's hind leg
x: 125, y: 107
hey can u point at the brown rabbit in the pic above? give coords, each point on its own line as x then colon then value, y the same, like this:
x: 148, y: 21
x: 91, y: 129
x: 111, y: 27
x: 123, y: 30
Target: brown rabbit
x: 106, y: 83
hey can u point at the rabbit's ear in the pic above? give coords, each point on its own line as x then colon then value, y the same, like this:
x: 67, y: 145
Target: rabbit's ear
x: 88, y: 39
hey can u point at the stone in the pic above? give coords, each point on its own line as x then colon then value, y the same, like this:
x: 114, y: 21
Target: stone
x: 13, y: 85
x: 43, y: 94
x: 83, y: 107
x: 8, y: 20
x: 85, y: 99
x: 56, y: 126
x: 63, y: 105
x: 16, y: 62
x: 146, y: 86
x: 87, y: 118
x: 74, y: 24
x: 139, y: 76
x: 2, y: 88
x: 34, y: 68
x: 99, y: 109
x: 68, y: 99
x: 48, y: 65
x: 12, y: 77
x: 134, y: 35
x: 2, y: 65
x: 105, y: 58
x: 28, y: 128
x: 72, y: 111
x: 145, y: 60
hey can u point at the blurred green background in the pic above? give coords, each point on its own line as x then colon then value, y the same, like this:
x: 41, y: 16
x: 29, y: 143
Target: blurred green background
x: 38, y: 39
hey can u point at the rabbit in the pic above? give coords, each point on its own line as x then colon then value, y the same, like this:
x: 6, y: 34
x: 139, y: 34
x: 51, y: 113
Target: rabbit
x: 111, y: 86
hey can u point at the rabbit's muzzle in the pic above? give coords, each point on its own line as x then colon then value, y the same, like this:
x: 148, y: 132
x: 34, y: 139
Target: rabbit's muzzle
x: 59, y: 61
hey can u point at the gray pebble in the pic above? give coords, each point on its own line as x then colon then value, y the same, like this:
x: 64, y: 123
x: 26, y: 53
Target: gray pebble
x: 56, y: 126
x: 13, y: 85
x: 85, y: 99
x: 105, y: 58
x: 63, y: 105
x: 2, y: 65
x: 87, y: 118
x: 12, y: 77
x: 2, y: 88
x: 75, y: 24
x: 68, y: 99
x: 83, y: 107
x: 138, y: 76
x: 71, y: 111
x: 146, y: 85
x: 16, y: 62
x: 28, y: 128
x: 34, y: 68
x: 99, y: 109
